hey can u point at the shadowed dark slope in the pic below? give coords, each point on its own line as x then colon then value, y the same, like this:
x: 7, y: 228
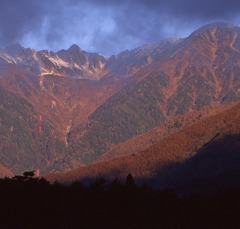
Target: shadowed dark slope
x: 216, y: 165
x: 168, y: 153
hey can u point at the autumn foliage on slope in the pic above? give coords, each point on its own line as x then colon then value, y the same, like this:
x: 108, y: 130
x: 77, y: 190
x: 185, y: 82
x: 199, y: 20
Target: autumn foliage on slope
x: 171, y: 150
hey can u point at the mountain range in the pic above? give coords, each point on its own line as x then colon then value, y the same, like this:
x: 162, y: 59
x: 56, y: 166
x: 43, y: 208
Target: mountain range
x: 158, y: 107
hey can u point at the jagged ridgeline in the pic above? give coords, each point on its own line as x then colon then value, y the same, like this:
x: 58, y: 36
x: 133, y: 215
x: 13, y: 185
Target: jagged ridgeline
x: 61, y: 110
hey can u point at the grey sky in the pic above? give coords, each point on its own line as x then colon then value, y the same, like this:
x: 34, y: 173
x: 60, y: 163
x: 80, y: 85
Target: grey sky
x: 106, y: 26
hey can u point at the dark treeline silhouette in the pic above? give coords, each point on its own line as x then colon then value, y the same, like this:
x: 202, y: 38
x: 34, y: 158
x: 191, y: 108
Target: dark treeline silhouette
x: 28, y: 202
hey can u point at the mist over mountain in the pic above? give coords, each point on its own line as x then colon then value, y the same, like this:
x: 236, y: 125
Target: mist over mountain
x: 61, y: 110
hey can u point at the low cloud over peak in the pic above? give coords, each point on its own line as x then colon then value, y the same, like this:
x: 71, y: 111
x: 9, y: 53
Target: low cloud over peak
x: 106, y: 26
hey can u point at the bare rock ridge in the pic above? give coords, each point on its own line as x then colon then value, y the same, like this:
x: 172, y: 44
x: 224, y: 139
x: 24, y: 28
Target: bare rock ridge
x: 61, y: 110
x: 72, y: 62
x: 77, y: 63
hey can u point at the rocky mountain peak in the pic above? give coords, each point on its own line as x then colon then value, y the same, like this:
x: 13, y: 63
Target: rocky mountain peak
x: 218, y: 30
x: 14, y: 49
x: 116, y: 99
x: 74, y: 48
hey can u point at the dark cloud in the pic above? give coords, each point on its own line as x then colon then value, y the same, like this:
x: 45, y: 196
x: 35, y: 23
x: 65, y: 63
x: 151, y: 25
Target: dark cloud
x: 18, y: 17
x: 106, y: 26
